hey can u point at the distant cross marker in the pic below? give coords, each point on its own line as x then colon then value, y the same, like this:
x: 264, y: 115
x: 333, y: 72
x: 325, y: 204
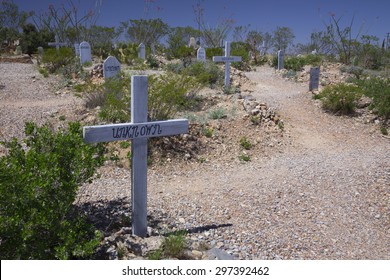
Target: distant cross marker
x: 227, y: 59
x: 56, y: 44
x: 139, y: 130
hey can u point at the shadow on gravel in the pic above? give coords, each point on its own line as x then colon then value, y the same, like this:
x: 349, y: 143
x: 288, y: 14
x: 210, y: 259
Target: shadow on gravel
x: 111, y: 216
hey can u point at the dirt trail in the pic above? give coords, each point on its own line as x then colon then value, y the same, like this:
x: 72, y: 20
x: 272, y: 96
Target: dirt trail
x: 325, y: 197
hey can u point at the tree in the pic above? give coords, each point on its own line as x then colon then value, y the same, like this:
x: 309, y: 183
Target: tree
x: 11, y: 20
x: 101, y: 38
x: 147, y: 31
x: 240, y: 33
x: 254, y: 39
x: 66, y: 22
x: 341, y: 38
x: 212, y: 36
x: 282, y: 38
x: 179, y: 37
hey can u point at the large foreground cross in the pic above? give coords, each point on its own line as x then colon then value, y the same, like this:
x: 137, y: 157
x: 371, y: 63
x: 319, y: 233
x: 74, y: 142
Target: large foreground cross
x: 227, y: 59
x: 138, y: 130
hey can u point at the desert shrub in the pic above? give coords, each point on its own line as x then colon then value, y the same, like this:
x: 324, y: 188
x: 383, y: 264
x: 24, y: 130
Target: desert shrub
x: 340, y: 98
x: 206, y: 73
x: 210, y: 52
x: 379, y: 90
x: 115, y: 96
x: 294, y: 63
x: 38, y: 185
x: 54, y: 60
x: 169, y: 93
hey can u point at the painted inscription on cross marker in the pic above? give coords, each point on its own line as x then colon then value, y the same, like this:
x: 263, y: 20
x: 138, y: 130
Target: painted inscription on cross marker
x: 227, y: 59
x: 139, y: 130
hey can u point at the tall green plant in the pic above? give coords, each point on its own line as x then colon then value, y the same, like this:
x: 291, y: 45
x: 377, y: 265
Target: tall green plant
x: 169, y: 93
x: 38, y: 185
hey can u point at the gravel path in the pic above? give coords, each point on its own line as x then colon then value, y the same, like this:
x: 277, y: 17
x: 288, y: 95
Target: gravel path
x: 325, y: 196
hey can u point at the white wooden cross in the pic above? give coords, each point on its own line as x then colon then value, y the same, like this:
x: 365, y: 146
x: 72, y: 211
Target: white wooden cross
x: 138, y: 130
x: 227, y: 59
x: 56, y: 44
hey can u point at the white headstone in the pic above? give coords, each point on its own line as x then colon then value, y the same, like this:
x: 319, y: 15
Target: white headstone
x: 139, y: 130
x: 192, y: 42
x: 85, y: 52
x: 111, y: 67
x: 280, y: 60
x: 314, y: 78
x: 77, y: 49
x: 227, y: 59
x: 141, y: 51
x: 201, y: 54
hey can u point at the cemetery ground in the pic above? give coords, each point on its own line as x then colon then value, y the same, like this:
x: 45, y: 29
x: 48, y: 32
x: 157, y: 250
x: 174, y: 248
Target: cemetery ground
x: 313, y: 186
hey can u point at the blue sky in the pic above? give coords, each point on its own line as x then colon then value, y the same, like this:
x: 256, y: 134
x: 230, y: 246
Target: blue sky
x: 302, y: 16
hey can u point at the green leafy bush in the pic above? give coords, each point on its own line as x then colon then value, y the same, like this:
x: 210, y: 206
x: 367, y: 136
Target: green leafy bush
x: 54, y: 60
x: 210, y: 52
x: 169, y: 93
x: 379, y: 90
x: 38, y: 185
x: 340, y: 98
x: 116, y: 100
x: 206, y: 73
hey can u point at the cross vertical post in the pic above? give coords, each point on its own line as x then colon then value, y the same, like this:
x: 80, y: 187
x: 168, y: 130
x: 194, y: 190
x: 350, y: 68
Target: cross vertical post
x: 227, y: 64
x: 138, y: 130
x: 139, y: 151
x: 227, y: 59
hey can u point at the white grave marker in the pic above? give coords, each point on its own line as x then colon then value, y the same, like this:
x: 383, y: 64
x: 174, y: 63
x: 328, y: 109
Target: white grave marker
x: 139, y: 130
x: 192, y: 42
x: 201, y: 54
x: 77, y: 49
x: 280, y: 60
x: 227, y: 59
x: 85, y: 52
x: 56, y: 44
x: 141, y: 51
x: 111, y: 67
x: 314, y: 78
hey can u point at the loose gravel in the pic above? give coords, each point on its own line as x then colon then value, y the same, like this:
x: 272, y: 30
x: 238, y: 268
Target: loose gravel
x: 325, y: 195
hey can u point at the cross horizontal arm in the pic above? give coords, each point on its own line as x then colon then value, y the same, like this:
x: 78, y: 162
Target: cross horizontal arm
x: 226, y: 58
x: 125, y: 131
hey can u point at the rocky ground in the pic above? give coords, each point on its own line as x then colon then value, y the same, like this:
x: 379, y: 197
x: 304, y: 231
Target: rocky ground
x: 316, y: 185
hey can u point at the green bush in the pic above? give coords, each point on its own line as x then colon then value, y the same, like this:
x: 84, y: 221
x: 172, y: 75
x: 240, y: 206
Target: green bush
x: 206, y: 73
x: 115, y: 96
x: 210, y: 52
x: 38, y: 186
x: 294, y: 63
x: 54, y: 60
x: 379, y: 90
x: 340, y: 98
x: 169, y: 93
